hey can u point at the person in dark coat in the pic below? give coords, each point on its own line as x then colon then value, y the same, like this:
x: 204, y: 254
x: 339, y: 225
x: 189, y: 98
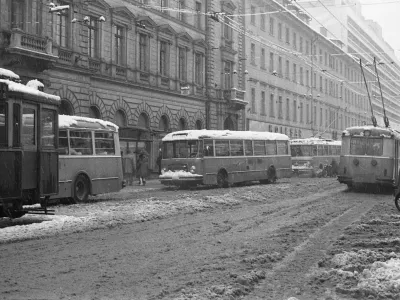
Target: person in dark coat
x: 158, y: 161
x: 128, y: 166
x: 142, y: 168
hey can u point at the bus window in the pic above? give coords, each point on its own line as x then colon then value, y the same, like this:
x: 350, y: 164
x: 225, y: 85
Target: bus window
x: 208, y: 148
x: 357, y: 146
x: 81, y: 142
x: 48, y: 128
x: 104, y: 143
x: 222, y: 148
x: 3, y: 124
x: 248, y: 146
x: 62, y: 142
x: 314, y: 150
x: 374, y: 147
x: 320, y: 150
x: 282, y: 147
x: 28, y: 126
x: 185, y: 149
x: 16, y: 124
x: 236, y: 148
x: 259, y: 148
x: 271, y: 147
x: 326, y: 152
x: 168, y: 150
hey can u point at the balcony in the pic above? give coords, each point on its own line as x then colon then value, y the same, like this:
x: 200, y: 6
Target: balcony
x: 34, y: 51
x: 235, y: 98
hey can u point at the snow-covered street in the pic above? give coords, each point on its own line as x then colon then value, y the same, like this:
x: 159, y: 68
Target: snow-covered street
x: 301, y: 238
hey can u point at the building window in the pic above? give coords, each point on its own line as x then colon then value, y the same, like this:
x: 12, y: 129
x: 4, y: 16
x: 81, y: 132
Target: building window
x: 181, y: 6
x: 294, y: 40
x: 143, y: 121
x: 301, y: 44
x: 301, y: 76
x: 301, y: 112
x: 94, y: 112
x: 272, y: 105
x: 253, y: 54
x: 271, y: 62
x: 39, y: 23
x: 198, y: 15
x: 182, y: 125
x: 262, y: 23
x: 320, y: 56
x: 182, y: 64
x: 262, y: 58
x: 280, y: 66
x: 228, y: 69
x: 308, y: 113
x: 294, y: 111
x: 164, y: 6
x: 143, y: 55
x: 66, y: 108
x: 120, y: 118
x: 280, y: 31
x: 321, y: 84
x: 17, y: 14
x: 263, y: 104
x: 287, y: 35
x: 93, y: 38
x: 271, y: 26
x: 320, y: 117
x: 287, y: 69
x: 228, y: 31
x: 119, y: 45
x: 164, y: 123
x: 253, y: 15
x: 280, y: 110
x: 294, y: 73
x: 287, y: 109
x: 198, y: 68
x: 62, y: 26
x: 253, y: 100
x: 163, y: 58
x: 307, y: 48
x: 307, y: 78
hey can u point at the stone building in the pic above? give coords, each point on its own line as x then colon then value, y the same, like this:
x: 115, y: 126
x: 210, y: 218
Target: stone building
x: 151, y: 67
x: 300, y: 81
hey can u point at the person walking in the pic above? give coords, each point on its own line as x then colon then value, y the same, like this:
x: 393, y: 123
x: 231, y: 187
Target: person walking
x: 142, y: 168
x: 158, y: 161
x: 128, y: 167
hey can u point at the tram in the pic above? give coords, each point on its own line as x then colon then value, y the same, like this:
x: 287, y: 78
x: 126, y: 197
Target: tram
x: 370, y: 156
x: 310, y: 155
x: 28, y: 146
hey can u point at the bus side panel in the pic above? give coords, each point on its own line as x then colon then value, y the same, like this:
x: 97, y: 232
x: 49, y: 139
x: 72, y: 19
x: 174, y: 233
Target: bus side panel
x: 49, y: 173
x: 283, y: 166
x: 106, y: 175
x: 10, y: 175
x: 29, y: 170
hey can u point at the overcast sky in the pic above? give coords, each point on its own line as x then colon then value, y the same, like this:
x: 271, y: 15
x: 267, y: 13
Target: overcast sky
x: 387, y: 14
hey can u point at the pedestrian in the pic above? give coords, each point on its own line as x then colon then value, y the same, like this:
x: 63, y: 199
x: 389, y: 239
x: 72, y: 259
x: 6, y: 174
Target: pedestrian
x: 142, y: 168
x: 158, y: 161
x: 128, y: 167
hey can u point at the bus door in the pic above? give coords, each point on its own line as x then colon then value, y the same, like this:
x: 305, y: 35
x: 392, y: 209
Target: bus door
x: 48, y: 154
x: 396, y: 165
x: 29, y: 139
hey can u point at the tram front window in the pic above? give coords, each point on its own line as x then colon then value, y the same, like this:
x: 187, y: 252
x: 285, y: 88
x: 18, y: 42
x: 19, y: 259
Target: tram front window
x: 366, y: 146
x: 3, y: 125
x: 303, y: 150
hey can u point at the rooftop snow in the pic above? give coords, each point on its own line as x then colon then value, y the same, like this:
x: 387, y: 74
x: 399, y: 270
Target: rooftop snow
x: 8, y: 74
x: 314, y: 141
x: 65, y: 121
x: 223, y: 134
x: 21, y: 88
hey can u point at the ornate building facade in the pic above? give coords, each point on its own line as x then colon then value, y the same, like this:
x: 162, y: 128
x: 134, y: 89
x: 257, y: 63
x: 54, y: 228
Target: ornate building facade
x: 151, y: 67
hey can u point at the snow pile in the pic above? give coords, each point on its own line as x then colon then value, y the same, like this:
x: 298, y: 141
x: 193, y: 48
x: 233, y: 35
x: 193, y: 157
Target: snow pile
x: 36, y: 84
x: 5, y: 73
x: 65, y: 121
x: 178, y: 174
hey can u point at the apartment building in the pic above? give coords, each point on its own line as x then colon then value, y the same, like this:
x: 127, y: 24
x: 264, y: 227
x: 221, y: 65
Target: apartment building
x: 363, y: 40
x: 300, y: 82
x: 151, y: 67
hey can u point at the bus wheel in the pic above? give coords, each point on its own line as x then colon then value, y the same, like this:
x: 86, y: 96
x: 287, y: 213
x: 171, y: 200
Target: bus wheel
x: 396, y: 202
x: 81, y: 189
x: 222, y: 179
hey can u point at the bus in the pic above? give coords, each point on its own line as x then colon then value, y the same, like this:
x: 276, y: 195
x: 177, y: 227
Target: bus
x: 223, y: 157
x: 369, y: 156
x: 89, y: 158
x: 310, y: 155
x: 28, y: 146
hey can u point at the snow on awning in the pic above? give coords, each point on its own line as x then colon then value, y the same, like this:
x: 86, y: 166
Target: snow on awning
x: 65, y: 121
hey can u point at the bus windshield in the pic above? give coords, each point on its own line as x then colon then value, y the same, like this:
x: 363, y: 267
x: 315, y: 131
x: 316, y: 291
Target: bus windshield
x: 366, y: 146
x: 301, y: 150
x: 181, y: 149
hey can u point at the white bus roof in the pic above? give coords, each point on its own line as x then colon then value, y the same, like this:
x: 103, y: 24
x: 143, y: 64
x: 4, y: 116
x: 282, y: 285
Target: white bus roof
x: 223, y: 134
x: 315, y: 141
x: 65, y: 122
x: 375, y: 131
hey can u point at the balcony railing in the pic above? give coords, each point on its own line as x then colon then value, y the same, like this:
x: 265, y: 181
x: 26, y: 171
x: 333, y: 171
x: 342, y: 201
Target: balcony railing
x: 94, y: 64
x: 235, y: 98
x: 65, y: 55
x: 120, y: 71
x: 25, y: 43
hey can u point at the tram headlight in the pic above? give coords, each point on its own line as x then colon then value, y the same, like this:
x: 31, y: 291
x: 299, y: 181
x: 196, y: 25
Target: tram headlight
x: 192, y: 169
x: 163, y: 171
x: 374, y: 162
x: 356, y: 162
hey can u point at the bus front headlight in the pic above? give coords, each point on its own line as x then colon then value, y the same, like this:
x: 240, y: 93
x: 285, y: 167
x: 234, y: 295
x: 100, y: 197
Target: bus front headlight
x: 163, y: 171
x: 192, y: 169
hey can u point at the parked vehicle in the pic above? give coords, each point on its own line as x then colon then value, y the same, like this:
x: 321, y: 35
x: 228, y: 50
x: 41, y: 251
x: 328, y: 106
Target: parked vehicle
x: 223, y: 157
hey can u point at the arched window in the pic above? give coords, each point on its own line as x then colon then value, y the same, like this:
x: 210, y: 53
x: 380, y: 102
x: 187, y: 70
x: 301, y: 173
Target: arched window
x: 164, y: 123
x: 66, y: 108
x: 94, y: 112
x: 143, y: 120
x: 228, y: 124
x: 199, y: 125
x: 182, y: 124
x: 120, y: 118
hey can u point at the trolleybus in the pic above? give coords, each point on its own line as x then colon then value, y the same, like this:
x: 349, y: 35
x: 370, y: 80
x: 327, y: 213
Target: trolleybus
x: 28, y: 145
x: 309, y: 155
x: 370, y: 156
x: 223, y: 157
x: 89, y: 158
